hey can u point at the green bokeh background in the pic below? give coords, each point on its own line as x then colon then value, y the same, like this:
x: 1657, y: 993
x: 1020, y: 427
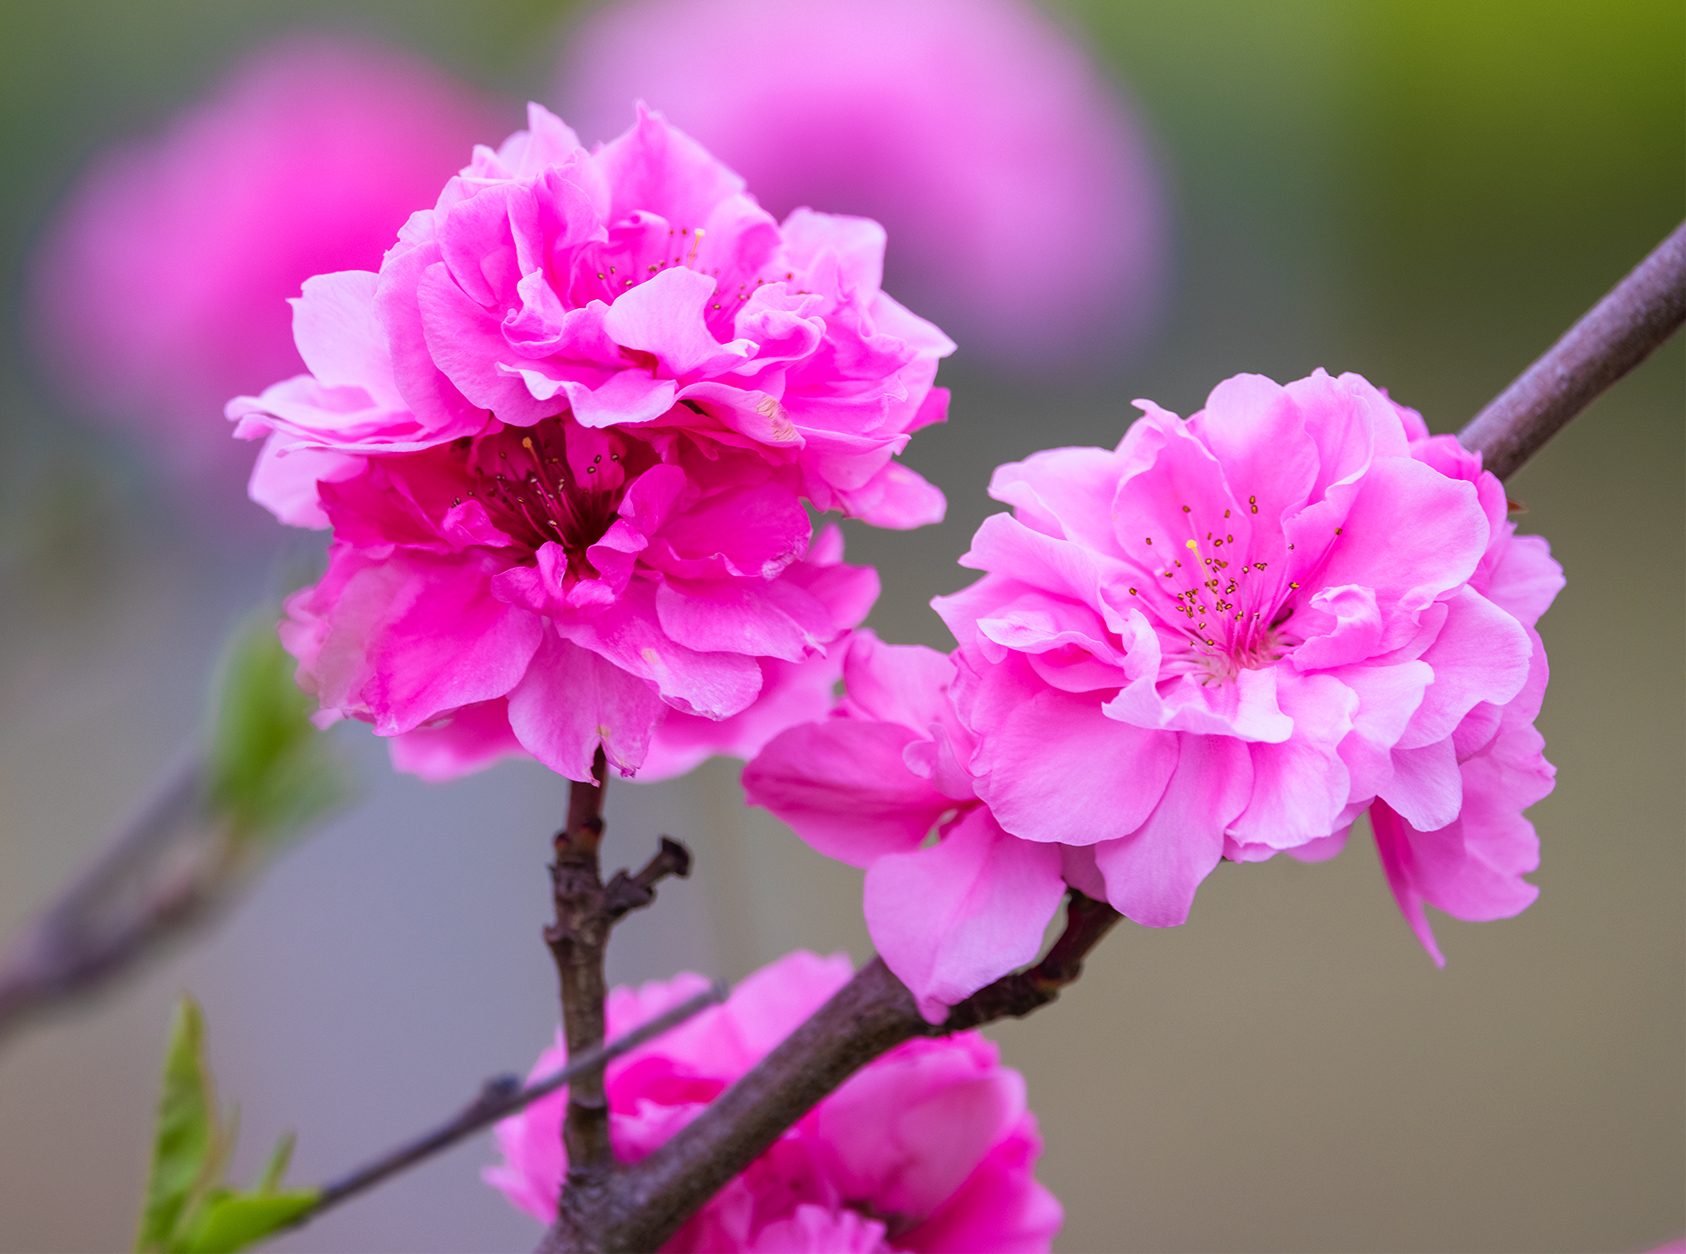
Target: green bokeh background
x: 1425, y: 192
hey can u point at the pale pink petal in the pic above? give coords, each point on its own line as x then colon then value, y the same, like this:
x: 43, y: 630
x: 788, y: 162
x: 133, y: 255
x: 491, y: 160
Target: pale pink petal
x: 1001, y: 1207
x: 844, y: 788
x: 1107, y: 775
x: 955, y: 916
x: 1152, y: 874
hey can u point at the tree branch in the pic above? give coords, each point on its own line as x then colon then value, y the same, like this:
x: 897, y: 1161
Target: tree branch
x: 873, y: 1013
x: 501, y: 1097
x: 163, y: 870
x: 1618, y: 333
x: 586, y: 910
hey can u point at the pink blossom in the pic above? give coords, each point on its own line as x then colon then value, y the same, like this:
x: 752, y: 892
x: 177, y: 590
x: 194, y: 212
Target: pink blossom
x: 1225, y: 639
x: 564, y: 439
x: 977, y: 131
x: 930, y: 1147
x: 160, y: 290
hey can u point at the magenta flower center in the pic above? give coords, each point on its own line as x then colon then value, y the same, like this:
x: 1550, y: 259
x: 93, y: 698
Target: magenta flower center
x: 539, y: 486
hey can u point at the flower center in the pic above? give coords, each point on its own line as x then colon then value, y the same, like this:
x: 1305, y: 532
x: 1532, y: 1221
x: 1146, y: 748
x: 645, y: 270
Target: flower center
x: 554, y: 482
x: 1229, y: 608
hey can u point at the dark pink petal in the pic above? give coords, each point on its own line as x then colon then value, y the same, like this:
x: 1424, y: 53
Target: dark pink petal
x: 1152, y: 874
x: 843, y: 787
x: 757, y: 531
x: 791, y: 693
x: 475, y: 737
x: 418, y: 637
x: 573, y: 700
x: 1349, y: 629
x: 958, y: 915
x: 762, y: 618
x: 664, y: 316
x: 629, y: 634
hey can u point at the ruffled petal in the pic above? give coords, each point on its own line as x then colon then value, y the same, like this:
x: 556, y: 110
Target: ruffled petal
x: 958, y: 915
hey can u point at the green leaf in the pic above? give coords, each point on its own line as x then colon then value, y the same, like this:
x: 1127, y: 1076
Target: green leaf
x: 187, y: 1146
x: 231, y: 1221
x: 269, y: 771
x: 279, y: 1157
x: 188, y: 1207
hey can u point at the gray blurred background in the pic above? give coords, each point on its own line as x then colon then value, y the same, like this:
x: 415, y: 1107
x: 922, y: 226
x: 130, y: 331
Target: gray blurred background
x: 1427, y: 193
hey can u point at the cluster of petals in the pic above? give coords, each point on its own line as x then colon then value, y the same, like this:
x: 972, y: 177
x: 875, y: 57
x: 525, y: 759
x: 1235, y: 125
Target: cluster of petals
x: 929, y: 1147
x: 160, y: 289
x: 1227, y: 638
x: 978, y: 131
x: 564, y: 438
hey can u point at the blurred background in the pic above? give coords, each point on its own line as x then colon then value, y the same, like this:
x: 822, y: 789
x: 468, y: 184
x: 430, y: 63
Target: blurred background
x: 1427, y: 193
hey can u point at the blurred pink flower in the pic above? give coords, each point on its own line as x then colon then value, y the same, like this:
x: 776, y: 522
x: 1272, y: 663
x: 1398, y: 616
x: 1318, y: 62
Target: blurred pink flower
x: 564, y: 438
x: 928, y: 1148
x: 1025, y: 207
x: 1227, y: 638
x: 161, y: 289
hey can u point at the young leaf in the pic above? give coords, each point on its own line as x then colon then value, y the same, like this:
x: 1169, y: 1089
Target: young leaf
x: 188, y: 1138
x: 231, y: 1221
x: 268, y: 771
x: 279, y: 1157
x: 188, y: 1207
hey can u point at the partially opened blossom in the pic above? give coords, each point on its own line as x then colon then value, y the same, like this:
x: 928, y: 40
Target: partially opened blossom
x: 929, y: 1147
x: 1226, y: 638
x: 160, y: 290
x: 566, y: 439
x: 1030, y: 216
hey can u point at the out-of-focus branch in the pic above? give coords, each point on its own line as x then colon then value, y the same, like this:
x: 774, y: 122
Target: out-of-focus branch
x: 647, y: 1202
x: 1618, y: 333
x: 586, y: 910
x: 159, y: 874
x: 502, y: 1097
x: 262, y: 775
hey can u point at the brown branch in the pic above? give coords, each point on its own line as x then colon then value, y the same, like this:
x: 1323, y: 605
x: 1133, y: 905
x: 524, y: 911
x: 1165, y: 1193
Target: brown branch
x: 647, y: 1202
x: 586, y: 910
x: 501, y: 1097
x: 165, y: 869
x: 1618, y: 333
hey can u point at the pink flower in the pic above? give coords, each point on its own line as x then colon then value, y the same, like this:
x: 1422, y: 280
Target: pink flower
x: 1225, y: 639
x: 928, y: 1148
x: 564, y: 438
x: 977, y: 131
x: 160, y: 291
